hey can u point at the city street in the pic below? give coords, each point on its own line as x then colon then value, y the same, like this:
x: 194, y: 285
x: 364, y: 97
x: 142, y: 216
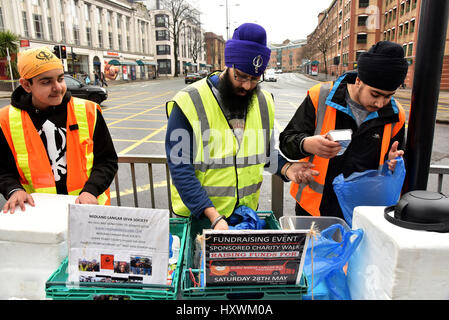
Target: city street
x: 135, y: 114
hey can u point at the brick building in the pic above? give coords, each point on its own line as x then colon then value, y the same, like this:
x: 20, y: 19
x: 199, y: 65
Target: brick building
x: 287, y: 56
x: 214, y: 51
x: 349, y: 27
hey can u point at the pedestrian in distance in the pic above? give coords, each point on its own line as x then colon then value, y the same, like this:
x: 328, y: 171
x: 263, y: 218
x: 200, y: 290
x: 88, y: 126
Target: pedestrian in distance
x: 50, y: 141
x: 220, y: 135
x: 96, y: 78
x: 361, y: 101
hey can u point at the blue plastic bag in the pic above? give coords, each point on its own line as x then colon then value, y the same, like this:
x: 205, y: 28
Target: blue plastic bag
x: 369, y: 188
x: 245, y: 218
x: 329, y: 258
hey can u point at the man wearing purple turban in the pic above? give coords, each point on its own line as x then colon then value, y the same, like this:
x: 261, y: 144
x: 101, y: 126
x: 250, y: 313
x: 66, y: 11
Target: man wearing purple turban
x: 220, y: 135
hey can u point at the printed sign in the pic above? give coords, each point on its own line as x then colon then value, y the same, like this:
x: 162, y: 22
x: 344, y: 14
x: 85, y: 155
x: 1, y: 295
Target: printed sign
x: 254, y: 257
x: 118, y: 244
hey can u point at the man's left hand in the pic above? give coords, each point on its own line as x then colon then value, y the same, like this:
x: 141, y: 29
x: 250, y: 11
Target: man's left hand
x: 301, y: 172
x: 86, y: 198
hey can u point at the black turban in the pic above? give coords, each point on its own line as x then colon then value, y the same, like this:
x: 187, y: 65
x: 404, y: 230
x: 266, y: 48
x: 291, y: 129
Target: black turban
x: 383, y: 66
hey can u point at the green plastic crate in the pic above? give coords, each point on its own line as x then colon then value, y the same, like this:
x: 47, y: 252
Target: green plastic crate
x: 271, y: 292
x: 57, y: 287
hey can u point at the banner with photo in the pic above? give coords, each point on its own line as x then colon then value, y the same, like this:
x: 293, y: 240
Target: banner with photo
x: 118, y: 244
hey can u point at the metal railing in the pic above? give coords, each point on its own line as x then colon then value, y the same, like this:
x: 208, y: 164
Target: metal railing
x: 277, y: 184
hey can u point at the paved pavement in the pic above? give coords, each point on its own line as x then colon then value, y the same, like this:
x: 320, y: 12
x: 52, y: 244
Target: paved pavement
x: 403, y: 95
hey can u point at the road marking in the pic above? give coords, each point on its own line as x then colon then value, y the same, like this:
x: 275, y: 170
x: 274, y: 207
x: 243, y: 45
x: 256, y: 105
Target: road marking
x: 134, y: 115
x: 138, y: 143
x: 130, y: 140
x: 145, y: 187
x: 129, y: 103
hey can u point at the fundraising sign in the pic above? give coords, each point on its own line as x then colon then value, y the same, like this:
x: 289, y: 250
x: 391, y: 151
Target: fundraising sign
x: 118, y: 244
x: 254, y: 257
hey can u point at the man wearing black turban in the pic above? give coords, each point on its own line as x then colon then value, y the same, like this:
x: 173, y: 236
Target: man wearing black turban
x: 361, y: 101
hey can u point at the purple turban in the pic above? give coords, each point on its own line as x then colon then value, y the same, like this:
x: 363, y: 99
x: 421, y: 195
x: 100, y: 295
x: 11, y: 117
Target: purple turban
x: 247, y: 50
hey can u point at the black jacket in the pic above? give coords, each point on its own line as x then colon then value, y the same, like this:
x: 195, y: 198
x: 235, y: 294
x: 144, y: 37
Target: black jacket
x: 105, y: 157
x: 362, y: 154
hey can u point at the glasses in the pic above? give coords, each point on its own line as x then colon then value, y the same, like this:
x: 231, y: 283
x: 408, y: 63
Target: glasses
x: 241, y: 78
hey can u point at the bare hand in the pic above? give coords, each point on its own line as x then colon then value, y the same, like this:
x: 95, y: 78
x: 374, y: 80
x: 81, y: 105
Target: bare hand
x: 301, y: 172
x: 393, y: 154
x: 19, y: 197
x: 321, y: 146
x: 211, y: 213
x: 86, y: 198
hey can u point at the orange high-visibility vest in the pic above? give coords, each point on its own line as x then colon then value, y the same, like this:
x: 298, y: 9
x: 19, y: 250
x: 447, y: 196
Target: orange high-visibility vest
x: 33, y: 165
x: 309, y: 195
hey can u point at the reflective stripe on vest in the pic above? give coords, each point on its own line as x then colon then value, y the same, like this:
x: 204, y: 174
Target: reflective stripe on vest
x: 309, y: 195
x: 229, y: 173
x: 29, y: 151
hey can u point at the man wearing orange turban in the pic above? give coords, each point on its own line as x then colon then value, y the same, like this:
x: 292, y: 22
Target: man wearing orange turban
x: 51, y: 142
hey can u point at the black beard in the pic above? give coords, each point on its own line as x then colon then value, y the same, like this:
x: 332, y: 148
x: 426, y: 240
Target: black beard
x: 238, y: 106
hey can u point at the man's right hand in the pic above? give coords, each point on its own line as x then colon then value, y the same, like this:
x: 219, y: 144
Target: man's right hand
x: 19, y: 197
x: 320, y: 146
x: 211, y: 213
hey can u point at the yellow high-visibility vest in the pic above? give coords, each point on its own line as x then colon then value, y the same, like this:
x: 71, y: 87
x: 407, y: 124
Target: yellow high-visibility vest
x: 230, y: 174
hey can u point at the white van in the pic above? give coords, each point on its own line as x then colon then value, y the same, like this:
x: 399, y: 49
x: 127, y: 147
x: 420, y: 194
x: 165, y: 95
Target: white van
x: 270, y: 75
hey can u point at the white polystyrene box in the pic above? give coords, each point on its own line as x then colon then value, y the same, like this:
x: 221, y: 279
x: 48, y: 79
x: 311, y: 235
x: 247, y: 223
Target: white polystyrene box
x: 33, y: 243
x: 397, y: 263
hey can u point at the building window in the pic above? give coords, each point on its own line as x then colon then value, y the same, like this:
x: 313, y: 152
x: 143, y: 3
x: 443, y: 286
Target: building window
x: 363, y: 3
x: 50, y: 29
x: 37, y: 20
x: 76, y: 35
x: 412, y: 26
x: 361, y: 21
x: 162, y: 35
x: 100, y: 39
x: 119, y: 42
x: 63, y: 32
x: 410, y: 49
x: 87, y: 11
x: 89, y: 36
x: 98, y: 16
x: 361, y: 38
x: 162, y: 49
x: 161, y: 20
x: 164, y: 66
x: 110, y: 39
x: 2, y: 25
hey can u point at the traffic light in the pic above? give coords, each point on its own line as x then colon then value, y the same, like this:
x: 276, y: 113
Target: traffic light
x: 63, y: 51
x: 56, y: 51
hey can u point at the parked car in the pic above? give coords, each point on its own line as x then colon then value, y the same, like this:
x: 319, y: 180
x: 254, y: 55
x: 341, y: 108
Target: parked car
x: 78, y: 89
x: 192, y: 77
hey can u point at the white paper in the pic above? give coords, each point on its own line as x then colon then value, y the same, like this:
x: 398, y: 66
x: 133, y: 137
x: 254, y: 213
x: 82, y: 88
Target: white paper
x: 118, y: 244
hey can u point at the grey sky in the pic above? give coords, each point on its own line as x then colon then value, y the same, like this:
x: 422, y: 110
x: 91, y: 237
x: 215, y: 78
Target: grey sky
x: 283, y: 19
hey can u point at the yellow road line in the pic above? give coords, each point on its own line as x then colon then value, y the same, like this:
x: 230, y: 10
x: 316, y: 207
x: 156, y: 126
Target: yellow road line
x: 139, y: 189
x: 137, y: 120
x: 134, y: 115
x: 130, y: 140
x: 149, y: 98
x: 132, y: 128
x: 138, y: 143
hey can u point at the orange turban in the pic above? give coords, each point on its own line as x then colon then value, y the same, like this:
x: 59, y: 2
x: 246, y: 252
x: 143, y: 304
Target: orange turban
x: 33, y: 62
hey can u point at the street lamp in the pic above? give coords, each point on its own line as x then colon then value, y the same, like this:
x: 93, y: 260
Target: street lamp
x: 227, y: 17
